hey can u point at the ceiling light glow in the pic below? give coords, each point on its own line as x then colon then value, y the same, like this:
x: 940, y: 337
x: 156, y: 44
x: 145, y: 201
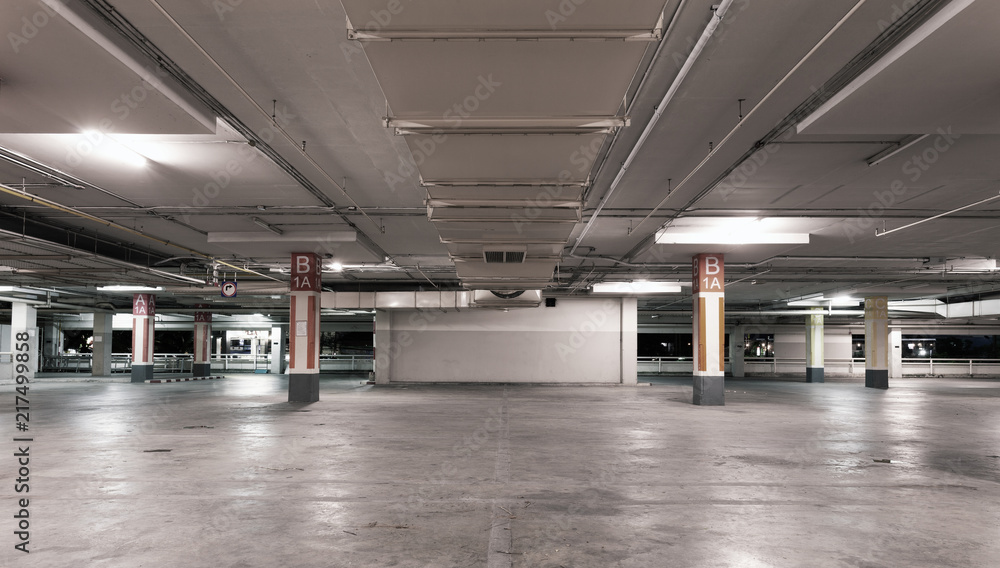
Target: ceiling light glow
x: 637, y: 287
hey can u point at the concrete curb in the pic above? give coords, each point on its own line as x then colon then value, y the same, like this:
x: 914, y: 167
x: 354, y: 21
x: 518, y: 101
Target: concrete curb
x: 185, y: 379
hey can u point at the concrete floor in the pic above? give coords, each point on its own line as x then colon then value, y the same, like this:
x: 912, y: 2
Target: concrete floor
x: 508, y: 476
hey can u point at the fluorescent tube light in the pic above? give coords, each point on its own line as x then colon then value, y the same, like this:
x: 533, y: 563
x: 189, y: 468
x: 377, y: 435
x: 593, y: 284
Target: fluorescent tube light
x: 638, y: 287
x: 129, y: 288
x: 262, y: 223
x: 722, y: 237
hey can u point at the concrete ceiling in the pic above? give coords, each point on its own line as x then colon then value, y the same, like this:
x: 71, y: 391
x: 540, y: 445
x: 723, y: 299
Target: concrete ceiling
x: 401, y: 140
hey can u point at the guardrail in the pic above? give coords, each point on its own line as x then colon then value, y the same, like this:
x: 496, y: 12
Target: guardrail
x: 181, y: 363
x: 854, y: 367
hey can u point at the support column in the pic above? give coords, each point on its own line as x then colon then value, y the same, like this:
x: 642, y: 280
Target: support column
x: 53, y: 342
x: 896, y: 354
x: 277, y: 350
x: 100, y: 362
x: 709, y: 330
x: 202, y: 364
x: 737, y: 348
x: 24, y: 329
x: 877, y: 342
x: 814, y: 347
x: 306, y: 287
x: 629, y: 331
x: 383, y: 356
x: 143, y: 324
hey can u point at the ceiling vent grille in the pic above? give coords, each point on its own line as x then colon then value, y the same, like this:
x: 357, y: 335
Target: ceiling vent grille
x: 503, y: 256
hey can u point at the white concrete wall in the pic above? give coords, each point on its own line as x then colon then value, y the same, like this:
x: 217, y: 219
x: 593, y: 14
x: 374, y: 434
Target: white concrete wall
x: 577, y: 341
x: 837, y: 343
x: 790, y: 344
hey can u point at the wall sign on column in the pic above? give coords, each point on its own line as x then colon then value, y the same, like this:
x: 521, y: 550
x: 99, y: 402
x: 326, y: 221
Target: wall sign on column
x: 306, y: 273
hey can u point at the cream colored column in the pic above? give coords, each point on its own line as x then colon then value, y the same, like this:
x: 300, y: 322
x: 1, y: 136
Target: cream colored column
x: 814, y: 347
x: 877, y: 342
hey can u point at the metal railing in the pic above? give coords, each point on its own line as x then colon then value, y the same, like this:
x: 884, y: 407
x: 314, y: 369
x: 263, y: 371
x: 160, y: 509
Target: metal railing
x: 181, y: 363
x: 912, y: 367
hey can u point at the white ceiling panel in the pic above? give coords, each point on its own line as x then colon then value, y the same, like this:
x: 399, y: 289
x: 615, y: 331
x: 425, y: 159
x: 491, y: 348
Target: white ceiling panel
x: 511, y: 158
x: 452, y: 80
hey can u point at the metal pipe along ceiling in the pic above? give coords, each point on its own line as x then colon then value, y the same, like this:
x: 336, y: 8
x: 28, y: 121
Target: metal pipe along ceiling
x: 70, y: 210
x: 706, y: 35
x: 638, y: 248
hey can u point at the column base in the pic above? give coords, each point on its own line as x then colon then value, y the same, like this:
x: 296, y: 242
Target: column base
x: 303, y: 388
x: 877, y: 378
x: 709, y: 391
x: 141, y: 373
x: 201, y: 369
x: 814, y: 374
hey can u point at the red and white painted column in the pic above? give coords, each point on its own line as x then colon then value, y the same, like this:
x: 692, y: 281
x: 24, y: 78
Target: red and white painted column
x: 303, y: 340
x: 877, y: 342
x: 202, y: 365
x: 143, y: 323
x: 709, y: 329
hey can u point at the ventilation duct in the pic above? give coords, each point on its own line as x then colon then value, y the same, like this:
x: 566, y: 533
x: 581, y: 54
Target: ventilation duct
x: 506, y: 299
x: 504, y: 256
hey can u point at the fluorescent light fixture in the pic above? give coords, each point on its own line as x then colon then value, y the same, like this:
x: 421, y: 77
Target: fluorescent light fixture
x: 637, y: 287
x: 262, y: 223
x: 336, y: 266
x: 731, y: 231
x: 129, y: 288
x: 669, y: 237
x: 893, y: 150
x: 346, y: 236
x: 940, y: 18
x: 822, y: 301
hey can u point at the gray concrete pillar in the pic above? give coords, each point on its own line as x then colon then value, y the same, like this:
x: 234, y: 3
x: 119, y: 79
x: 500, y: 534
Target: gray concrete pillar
x: 277, y: 350
x: 24, y: 339
x: 896, y: 354
x: 53, y: 340
x: 100, y: 363
x: 737, y: 349
x: 383, y: 353
x: 629, y: 330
